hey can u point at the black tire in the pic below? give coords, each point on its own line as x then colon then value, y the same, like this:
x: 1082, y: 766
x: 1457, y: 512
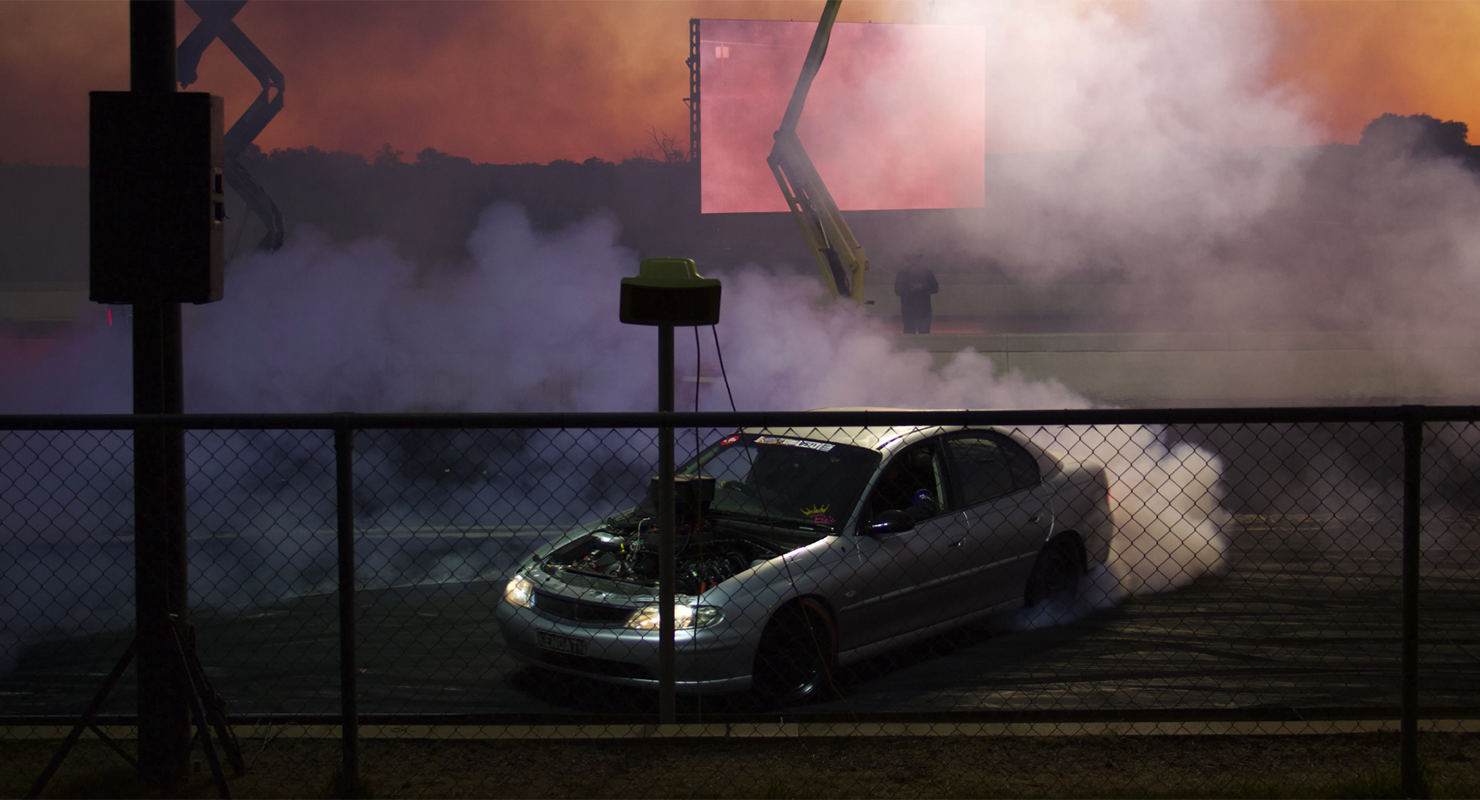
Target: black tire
x: 797, y: 655
x: 1056, y: 573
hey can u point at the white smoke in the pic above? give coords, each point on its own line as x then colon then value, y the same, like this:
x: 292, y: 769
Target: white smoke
x: 1169, y: 516
x: 1144, y: 91
x: 1153, y: 145
x: 1147, y: 99
x: 1167, y: 505
x: 353, y: 327
x: 1069, y: 76
x: 321, y: 326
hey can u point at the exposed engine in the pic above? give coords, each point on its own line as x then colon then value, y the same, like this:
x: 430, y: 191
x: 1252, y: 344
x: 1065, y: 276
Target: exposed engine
x: 626, y: 550
x: 630, y: 556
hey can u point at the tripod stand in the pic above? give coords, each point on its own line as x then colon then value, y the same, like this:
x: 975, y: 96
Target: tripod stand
x: 206, y: 708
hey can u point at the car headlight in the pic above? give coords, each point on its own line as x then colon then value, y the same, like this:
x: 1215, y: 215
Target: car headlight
x: 520, y: 591
x: 685, y: 615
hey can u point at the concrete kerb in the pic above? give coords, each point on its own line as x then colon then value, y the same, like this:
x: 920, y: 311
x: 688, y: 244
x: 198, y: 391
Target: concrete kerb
x: 787, y: 730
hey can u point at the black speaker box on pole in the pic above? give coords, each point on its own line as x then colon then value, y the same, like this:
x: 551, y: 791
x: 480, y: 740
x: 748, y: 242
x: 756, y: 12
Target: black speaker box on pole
x: 158, y: 197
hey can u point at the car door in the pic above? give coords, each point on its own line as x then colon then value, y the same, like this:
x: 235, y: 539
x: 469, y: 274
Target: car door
x: 904, y: 581
x: 1008, y: 514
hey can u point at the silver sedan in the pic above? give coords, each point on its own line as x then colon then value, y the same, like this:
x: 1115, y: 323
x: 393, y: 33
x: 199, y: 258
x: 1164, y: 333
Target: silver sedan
x: 800, y: 551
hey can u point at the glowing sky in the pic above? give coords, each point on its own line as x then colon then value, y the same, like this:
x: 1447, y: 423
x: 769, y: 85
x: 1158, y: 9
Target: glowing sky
x: 512, y: 82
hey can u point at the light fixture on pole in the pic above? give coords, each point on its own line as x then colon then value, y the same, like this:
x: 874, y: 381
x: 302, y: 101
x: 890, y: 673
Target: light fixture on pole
x: 665, y: 293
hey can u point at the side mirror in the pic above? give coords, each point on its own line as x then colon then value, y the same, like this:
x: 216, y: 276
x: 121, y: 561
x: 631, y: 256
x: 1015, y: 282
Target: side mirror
x: 889, y: 522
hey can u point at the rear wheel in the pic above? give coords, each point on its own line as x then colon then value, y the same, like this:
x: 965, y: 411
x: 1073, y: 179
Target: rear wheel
x: 1056, y: 573
x: 797, y: 654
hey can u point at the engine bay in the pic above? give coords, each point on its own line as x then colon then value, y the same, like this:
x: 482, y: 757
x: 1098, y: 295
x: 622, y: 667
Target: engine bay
x: 627, y: 554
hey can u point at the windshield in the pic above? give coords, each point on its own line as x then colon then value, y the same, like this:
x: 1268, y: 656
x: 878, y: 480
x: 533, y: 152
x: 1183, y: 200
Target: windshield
x: 785, y: 478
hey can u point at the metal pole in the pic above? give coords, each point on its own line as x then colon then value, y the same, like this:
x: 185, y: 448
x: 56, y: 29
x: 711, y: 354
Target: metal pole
x: 151, y: 29
x: 667, y: 704
x: 1412, y: 524
x: 344, y: 449
x: 161, y: 579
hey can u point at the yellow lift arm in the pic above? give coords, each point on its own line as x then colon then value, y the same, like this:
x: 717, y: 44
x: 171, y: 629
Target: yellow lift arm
x: 839, y: 255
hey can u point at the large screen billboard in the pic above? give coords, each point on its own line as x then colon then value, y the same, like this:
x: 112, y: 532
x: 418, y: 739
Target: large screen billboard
x: 895, y: 119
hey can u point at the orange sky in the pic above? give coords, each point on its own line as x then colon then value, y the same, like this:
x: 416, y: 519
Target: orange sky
x: 1360, y: 59
x: 511, y: 82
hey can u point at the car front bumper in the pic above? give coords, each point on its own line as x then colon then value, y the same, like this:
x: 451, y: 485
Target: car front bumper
x: 708, y: 660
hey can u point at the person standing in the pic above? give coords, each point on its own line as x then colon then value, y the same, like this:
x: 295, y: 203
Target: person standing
x: 914, y: 284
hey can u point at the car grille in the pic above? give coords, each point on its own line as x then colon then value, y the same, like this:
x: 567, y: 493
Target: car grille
x: 594, y: 666
x: 578, y: 611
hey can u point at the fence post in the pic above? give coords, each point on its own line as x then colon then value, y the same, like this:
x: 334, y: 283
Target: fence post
x: 1412, y: 523
x: 344, y: 482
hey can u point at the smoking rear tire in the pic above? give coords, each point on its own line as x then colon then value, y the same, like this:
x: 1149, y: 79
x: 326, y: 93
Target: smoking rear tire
x: 1056, y: 573
x: 797, y: 655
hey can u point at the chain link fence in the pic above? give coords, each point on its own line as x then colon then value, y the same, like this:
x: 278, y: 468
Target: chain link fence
x: 1038, y: 599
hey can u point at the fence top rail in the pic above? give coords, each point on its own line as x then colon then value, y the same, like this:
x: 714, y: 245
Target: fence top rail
x: 748, y: 419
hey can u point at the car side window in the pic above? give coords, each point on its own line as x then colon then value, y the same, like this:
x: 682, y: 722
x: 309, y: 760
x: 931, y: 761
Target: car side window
x: 1022, y: 463
x: 986, y: 467
x: 980, y: 469
x: 911, y: 471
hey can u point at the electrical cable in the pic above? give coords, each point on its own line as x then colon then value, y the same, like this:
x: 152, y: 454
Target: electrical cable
x: 720, y: 354
x: 236, y: 245
x: 698, y: 375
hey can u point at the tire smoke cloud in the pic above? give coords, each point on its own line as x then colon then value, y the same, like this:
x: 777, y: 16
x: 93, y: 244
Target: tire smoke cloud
x: 1131, y: 178
x: 530, y: 323
x: 1232, y: 238
x: 1152, y: 149
x: 1168, y: 505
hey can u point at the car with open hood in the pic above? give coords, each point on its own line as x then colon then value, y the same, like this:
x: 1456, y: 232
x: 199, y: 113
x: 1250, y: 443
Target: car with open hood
x: 799, y: 551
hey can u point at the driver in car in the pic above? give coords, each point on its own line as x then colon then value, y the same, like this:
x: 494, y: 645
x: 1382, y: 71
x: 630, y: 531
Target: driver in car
x: 922, y: 506
x: 908, y: 486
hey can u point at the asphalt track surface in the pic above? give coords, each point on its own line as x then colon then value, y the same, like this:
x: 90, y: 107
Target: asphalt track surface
x: 1308, y: 617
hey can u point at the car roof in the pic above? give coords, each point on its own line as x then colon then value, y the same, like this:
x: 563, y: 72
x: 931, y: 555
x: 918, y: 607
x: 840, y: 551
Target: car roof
x: 889, y: 438
x: 873, y: 437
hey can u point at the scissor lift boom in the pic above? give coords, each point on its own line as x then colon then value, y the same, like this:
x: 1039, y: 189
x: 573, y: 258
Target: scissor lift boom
x: 839, y: 256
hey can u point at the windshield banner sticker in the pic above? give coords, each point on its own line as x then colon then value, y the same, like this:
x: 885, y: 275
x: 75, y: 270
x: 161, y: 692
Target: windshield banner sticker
x: 819, y: 446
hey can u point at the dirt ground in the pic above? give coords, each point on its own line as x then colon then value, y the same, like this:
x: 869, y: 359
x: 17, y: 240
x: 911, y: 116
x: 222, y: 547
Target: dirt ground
x: 1353, y: 765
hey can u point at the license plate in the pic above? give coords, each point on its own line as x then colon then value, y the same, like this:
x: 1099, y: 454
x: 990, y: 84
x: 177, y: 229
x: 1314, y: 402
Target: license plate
x: 561, y: 644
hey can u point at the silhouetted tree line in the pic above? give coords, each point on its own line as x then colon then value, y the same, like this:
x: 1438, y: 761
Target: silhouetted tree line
x: 1420, y: 136
x: 430, y: 203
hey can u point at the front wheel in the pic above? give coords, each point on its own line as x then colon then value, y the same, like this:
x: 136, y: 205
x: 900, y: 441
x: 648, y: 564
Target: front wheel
x: 797, y: 655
